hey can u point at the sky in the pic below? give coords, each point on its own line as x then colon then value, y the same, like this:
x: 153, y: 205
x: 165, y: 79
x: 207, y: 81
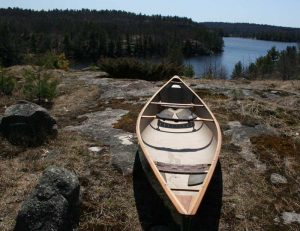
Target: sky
x: 272, y: 12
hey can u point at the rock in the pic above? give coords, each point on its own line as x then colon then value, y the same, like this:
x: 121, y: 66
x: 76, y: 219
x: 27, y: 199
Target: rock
x: 95, y: 150
x: 123, y: 150
x: 278, y: 179
x: 125, y: 89
x: 240, y: 217
x: 99, y: 125
x: 240, y: 136
x: 27, y: 124
x: 54, y: 203
x: 290, y: 217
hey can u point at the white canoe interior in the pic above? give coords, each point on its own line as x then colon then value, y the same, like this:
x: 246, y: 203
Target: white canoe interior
x: 181, y: 140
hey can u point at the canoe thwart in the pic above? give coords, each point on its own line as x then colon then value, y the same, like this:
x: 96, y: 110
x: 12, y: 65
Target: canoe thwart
x: 181, y: 168
x: 187, y: 105
x: 177, y: 120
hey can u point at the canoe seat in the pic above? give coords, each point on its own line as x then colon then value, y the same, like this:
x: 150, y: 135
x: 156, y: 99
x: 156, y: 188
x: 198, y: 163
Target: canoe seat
x: 177, y: 115
x: 196, y: 179
x: 165, y: 114
x: 186, y: 114
x: 181, y: 168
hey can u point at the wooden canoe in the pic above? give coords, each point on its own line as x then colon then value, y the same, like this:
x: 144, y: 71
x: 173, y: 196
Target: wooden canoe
x: 180, y: 140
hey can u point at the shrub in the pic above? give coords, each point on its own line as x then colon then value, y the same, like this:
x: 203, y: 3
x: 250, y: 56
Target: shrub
x: 7, y: 83
x: 54, y: 61
x: 136, y: 69
x: 43, y: 88
x: 188, y: 71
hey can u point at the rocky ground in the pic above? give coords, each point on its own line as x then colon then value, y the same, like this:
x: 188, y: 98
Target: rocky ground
x: 259, y: 163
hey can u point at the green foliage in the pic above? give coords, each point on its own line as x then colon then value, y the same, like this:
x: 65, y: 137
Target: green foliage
x: 287, y: 64
x: 284, y: 64
x: 54, y: 61
x: 238, y: 71
x: 41, y: 87
x: 136, y: 69
x: 188, y: 71
x: 7, y: 83
x: 175, y: 54
x: 90, y: 35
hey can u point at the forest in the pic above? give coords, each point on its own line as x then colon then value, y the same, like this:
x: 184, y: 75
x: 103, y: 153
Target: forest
x: 88, y: 35
x: 256, y: 31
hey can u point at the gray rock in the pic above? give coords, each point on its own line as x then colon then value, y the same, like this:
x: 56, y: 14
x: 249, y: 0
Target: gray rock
x: 54, y: 203
x: 27, y: 124
x: 290, y: 217
x: 99, y: 125
x: 240, y: 217
x: 95, y: 150
x: 240, y: 136
x: 125, y: 89
x: 278, y: 179
x: 123, y: 149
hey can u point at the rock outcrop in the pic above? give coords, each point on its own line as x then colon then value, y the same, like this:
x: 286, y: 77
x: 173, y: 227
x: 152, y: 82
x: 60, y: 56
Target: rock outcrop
x: 27, y: 124
x: 54, y: 203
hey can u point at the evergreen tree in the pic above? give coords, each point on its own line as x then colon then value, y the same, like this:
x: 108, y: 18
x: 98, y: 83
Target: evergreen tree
x: 237, y: 71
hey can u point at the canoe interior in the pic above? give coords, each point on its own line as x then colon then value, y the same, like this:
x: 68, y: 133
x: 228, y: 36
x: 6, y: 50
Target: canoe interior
x: 183, y: 146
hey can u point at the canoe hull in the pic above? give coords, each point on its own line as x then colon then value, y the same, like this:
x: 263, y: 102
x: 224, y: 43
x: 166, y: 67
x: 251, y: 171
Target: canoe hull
x: 179, y: 141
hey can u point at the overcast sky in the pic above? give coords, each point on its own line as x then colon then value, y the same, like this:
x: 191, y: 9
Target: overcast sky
x: 273, y: 12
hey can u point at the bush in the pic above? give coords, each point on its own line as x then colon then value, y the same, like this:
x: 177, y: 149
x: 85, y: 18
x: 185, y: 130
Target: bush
x: 43, y: 88
x: 188, y: 71
x: 54, y: 61
x: 7, y: 83
x: 48, y: 60
x: 136, y: 69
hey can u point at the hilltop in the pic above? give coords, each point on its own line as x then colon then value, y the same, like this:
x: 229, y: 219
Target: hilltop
x: 260, y: 125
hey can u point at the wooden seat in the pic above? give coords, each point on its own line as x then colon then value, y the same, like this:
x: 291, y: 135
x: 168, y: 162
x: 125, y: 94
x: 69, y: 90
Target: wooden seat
x: 181, y: 168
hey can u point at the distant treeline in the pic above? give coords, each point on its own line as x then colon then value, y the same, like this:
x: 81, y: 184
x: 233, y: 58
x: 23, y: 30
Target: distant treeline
x: 257, y: 31
x: 89, y: 35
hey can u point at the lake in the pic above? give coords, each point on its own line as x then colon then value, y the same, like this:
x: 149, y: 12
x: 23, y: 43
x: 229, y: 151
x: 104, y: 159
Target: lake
x: 235, y: 49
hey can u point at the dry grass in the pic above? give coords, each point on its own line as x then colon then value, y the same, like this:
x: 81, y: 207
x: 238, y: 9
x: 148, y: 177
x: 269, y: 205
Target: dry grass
x: 107, y: 196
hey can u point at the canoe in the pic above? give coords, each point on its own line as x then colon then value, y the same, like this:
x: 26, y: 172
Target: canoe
x: 179, y: 140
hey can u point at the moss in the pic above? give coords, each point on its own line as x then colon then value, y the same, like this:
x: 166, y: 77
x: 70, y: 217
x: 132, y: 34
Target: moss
x: 273, y: 150
x: 208, y: 94
x: 127, y: 122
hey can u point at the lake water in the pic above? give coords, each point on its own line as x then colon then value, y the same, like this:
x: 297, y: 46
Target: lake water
x: 235, y: 50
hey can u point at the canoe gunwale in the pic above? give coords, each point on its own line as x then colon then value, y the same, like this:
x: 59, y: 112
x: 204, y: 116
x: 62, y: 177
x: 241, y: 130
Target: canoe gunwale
x: 175, y: 201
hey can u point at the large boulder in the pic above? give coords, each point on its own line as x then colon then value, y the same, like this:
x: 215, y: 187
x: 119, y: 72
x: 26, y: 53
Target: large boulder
x: 53, y: 205
x: 27, y: 124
